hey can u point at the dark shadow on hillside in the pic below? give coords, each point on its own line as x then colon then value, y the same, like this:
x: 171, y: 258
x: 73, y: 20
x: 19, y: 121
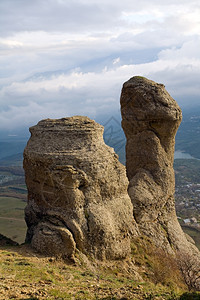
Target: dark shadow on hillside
x: 190, y: 296
x: 5, y: 241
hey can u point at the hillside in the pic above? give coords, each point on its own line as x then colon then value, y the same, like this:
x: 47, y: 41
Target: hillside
x: 147, y: 275
x: 11, y: 147
x: 13, y: 196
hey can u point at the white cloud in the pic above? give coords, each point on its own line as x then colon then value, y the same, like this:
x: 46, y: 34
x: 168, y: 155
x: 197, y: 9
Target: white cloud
x: 59, y: 57
x: 92, y: 93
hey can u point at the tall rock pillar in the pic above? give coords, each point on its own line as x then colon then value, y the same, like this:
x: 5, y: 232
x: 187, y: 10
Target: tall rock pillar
x: 150, y: 119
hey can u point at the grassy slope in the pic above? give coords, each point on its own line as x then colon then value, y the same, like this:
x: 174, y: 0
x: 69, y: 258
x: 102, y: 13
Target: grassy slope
x: 12, y: 222
x: 13, y: 196
x: 27, y: 275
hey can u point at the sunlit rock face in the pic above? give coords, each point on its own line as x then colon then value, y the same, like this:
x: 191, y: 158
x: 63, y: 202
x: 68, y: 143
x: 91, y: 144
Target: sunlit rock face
x: 150, y: 119
x: 77, y: 191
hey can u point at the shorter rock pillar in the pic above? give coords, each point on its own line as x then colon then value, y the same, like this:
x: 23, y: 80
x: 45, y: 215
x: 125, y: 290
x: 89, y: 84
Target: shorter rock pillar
x: 77, y: 191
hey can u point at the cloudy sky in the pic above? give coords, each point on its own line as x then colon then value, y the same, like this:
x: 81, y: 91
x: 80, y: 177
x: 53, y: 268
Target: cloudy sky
x: 64, y: 57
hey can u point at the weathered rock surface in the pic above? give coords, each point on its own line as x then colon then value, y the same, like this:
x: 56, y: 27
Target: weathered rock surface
x: 150, y: 119
x: 77, y: 191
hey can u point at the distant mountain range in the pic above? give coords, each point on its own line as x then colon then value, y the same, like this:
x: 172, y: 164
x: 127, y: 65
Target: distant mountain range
x: 13, y: 160
x: 8, y: 149
x: 187, y: 138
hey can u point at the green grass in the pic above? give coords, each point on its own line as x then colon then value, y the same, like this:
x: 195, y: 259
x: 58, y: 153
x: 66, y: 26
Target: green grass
x: 12, y: 222
x: 12, y: 207
x: 35, y: 277
x: 13, y: 229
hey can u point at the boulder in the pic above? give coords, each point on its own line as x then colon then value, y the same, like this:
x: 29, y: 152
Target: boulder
x: 77, y: 191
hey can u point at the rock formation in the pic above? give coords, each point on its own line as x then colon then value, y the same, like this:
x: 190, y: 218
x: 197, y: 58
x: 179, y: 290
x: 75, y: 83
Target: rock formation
x: 150, y: 119
x: 77, y: 191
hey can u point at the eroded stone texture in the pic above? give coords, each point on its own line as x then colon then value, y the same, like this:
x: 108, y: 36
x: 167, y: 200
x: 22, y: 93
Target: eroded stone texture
x: 77, y: 191
x: 150, y: 119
